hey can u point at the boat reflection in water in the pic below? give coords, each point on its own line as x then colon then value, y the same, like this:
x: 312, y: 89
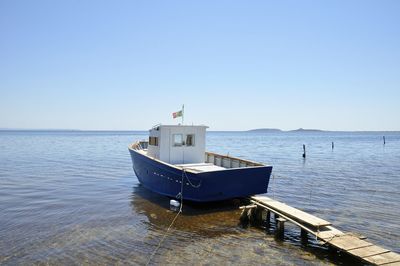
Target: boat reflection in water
x: 209, y: 219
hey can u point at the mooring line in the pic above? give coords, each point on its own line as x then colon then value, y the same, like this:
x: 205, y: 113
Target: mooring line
x: 180, y: 195
x: 187, y: 178
x: 162, y: 239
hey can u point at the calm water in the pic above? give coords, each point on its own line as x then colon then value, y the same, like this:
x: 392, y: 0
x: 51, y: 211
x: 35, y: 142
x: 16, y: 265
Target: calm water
x: 72, y: 198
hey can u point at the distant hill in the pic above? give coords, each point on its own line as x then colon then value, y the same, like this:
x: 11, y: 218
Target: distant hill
x: 276, y: 130
x: 306, y: 130
x: 265, y: 130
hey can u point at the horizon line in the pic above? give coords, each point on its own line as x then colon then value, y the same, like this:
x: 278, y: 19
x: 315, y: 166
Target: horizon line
x: 256, y: 130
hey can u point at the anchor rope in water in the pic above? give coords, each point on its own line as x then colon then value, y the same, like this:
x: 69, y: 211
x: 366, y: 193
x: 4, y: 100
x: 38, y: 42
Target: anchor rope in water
x: 180, y: 196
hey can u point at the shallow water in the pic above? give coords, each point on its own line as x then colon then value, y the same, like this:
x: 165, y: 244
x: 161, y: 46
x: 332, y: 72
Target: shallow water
x: 72, y: 198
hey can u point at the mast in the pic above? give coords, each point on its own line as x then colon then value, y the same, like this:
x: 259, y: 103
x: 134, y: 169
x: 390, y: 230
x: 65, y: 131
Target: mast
x: 183, y: 112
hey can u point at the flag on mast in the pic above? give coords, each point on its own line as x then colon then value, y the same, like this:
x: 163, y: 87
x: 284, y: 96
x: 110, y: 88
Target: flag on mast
x: 179, y: 113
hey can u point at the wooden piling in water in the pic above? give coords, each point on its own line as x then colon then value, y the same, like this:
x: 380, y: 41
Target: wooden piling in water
x: 333, y: 145
x: 252, y: 215
x: 303, y: 236
x: 247, y: 215
x: 384, y: 140
x: 268, y: 219
x: 258, y: 212
x: 304, y: 151
x: 244, y: 219
x: 280, y: 227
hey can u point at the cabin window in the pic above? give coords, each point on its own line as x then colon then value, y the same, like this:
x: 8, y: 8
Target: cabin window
x: 153, y: 141
x: 178, y: 139
x: 190, y: 140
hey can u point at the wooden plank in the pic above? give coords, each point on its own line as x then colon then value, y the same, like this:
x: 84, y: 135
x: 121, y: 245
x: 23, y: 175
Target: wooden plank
x: 368, y: 251
x: 327, y: 233
x: 348, y: 242
x: 252, y: 206
x: 392, y: 264
x: 301, y: 225
x: 291, y: 212
x: 280, y: 219
x: 385, y: 258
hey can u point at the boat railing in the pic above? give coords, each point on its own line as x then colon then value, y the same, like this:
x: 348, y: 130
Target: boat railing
x: 156, y: 126
x: 227, y: 161
x: 140, y: 145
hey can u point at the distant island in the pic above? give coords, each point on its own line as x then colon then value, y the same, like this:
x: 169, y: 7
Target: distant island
x: 275, y: 130
x: 306, y: 130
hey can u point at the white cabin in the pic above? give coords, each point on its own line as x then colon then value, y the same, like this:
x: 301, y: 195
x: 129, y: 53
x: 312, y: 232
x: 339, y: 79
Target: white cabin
x: 178, y: 144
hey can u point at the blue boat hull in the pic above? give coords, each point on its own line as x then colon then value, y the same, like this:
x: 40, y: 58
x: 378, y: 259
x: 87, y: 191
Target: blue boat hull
x: 200, y: 187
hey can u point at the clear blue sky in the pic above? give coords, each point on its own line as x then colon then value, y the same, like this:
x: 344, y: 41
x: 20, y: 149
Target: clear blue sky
x: 235, y: 65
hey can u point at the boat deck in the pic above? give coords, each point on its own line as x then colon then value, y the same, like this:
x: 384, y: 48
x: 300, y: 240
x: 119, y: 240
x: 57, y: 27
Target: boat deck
x: 201, y: 167
x: 194, y: 167
x: 213, y: 161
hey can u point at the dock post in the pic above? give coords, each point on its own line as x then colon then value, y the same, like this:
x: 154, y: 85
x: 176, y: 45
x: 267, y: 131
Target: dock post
x: 252, y: 215
x: 258, y: 216
x: 248, y: 214
x: 255, y: 216
x: 276, y: 216
x: 244, y: 217
x: 304, y: 151
x: 384, y: 140
x: 280, y: 228
x: 304, y: 236
x: 268, y: 220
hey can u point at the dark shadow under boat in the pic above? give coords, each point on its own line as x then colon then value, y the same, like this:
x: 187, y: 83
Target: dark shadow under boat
x: 211, y: 219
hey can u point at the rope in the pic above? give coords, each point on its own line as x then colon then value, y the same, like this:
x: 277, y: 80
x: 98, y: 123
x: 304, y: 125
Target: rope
x: 195, y: 186
x: 179, y: 196
x: 331, y: 238
x: 162, y: 239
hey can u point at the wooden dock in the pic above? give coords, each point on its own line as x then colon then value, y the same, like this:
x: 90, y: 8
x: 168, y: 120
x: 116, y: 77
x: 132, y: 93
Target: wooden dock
x: 350, y: 243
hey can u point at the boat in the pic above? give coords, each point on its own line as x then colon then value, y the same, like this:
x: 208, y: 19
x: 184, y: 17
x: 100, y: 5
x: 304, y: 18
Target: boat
x: 174, y: 162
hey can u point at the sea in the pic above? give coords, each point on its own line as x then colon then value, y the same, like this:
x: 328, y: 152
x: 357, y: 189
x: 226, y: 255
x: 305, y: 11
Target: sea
x: 72, y: 198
